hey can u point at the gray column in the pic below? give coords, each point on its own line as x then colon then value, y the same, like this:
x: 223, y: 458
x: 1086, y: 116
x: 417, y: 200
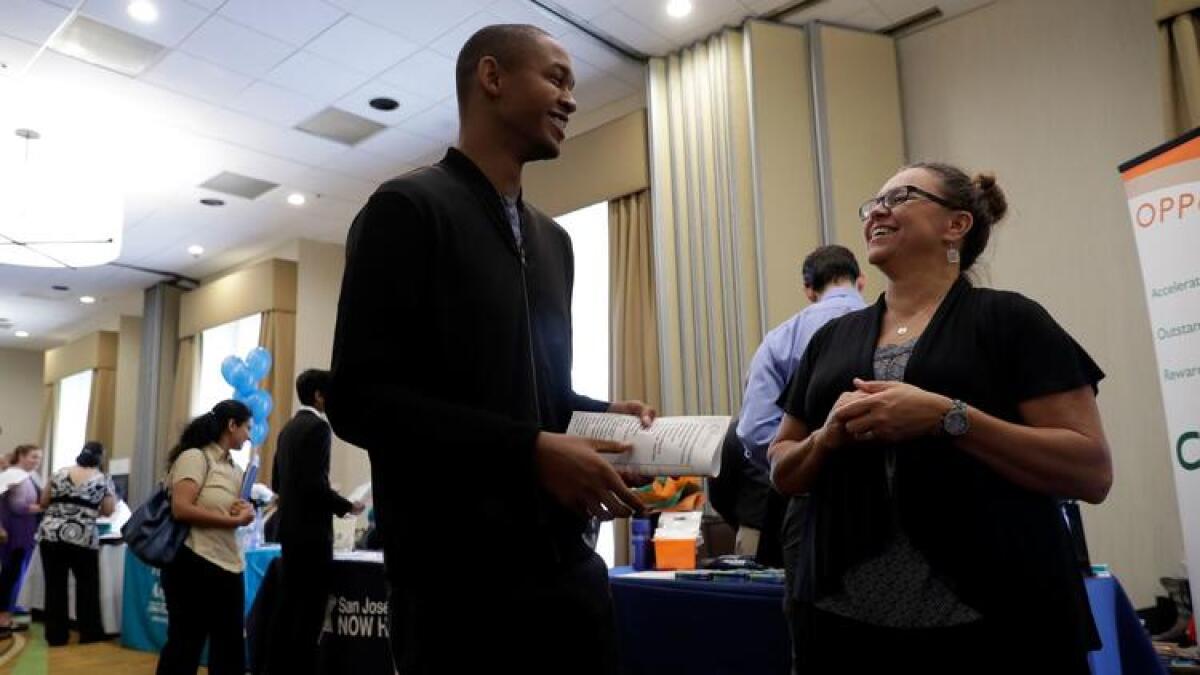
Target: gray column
x: 156, y: 381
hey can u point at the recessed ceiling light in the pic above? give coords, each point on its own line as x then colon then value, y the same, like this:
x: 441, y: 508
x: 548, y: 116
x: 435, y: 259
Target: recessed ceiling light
x: 679, y: 8
x: 195, y: 250
x: 296, y: 199
x: 87, y: 299
x: 143, y: 10
x: 209, y: 201
x: 384, y: 103
x: 21, y: 333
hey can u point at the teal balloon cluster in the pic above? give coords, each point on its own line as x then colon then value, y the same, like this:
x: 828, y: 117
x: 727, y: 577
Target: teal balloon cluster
x: 244, y: 375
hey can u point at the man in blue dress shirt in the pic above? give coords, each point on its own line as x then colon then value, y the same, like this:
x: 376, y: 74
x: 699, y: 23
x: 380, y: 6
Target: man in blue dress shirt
x: 834, y: 284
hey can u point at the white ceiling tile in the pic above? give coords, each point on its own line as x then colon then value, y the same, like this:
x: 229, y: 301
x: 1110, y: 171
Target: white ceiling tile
x: 523, y: 11
x: 365, y: 166
x: 196, y: 77
x: 399, y: 145
x: 338, y: 185
x: 596, y: 88
x: 632, y: 32
x: 842, y: 9
x: 439, y: 123
x: 247, y: 132
x: 356, y: 44
x: 81, y: 81
x: 162, y: 104
x: 176, y: 19
x: 417, y: 24
x: 315, y: 77
x: 300, y: 22
x: 411, y: 103
x: 451, y: 42
x: 426, y: 73
x: 30, y: 20
x: 588, y: 49
x: 14, y: 55
x: 868, y: 19
x: 703, y: 19
x: 207, y: 4
x: 275, y: 104
x: 898, y: 10
x: 236, y: 47
x: 585, y: 9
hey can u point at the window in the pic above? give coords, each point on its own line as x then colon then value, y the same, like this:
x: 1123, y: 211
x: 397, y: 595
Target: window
x: 588, y: 229
x: 70, y: 419
x: 233, y: 338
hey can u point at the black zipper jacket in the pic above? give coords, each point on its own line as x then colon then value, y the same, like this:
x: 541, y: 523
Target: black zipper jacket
x: 452, y: 350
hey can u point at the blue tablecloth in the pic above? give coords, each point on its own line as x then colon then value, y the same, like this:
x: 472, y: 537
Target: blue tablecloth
x: 144, y: 609
x: 706, y: 627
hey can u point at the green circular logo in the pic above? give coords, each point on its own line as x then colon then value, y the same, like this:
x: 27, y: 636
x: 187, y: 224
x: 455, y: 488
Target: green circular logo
x: 1189, y: 436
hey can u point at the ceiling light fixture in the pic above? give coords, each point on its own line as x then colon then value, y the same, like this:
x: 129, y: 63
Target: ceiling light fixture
x: 195, y: 250
x: 87, y: 299
x: 679, y: 8
x: 384, y: 103
x: 21, y: 333
x: 143, y: 11
x: 296, y: 199
x: 38, y: 228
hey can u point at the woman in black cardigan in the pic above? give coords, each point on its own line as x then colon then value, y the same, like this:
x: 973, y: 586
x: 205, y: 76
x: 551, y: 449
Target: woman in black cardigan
x: 932, y: 436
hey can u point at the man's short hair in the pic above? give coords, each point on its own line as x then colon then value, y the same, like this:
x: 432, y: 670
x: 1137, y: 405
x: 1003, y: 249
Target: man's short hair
x: 828, y: 264
x: 508, y: 43
x: 310, y: 382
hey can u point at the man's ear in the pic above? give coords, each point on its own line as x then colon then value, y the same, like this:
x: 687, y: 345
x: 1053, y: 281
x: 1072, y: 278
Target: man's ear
x: 487, y: 74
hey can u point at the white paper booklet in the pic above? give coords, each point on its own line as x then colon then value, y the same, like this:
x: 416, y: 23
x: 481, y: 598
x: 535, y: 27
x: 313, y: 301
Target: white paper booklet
x: 672, y: 446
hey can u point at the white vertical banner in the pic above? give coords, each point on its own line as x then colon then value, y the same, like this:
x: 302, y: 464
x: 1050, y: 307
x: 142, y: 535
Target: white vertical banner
x: 1163, y: 188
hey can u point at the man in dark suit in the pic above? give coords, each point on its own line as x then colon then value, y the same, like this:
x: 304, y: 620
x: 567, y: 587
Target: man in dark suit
x: 307, y: 505
x: 452, y: 367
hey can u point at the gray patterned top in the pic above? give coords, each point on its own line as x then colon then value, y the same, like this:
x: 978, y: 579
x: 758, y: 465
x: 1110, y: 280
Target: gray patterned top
x: 898, y: 589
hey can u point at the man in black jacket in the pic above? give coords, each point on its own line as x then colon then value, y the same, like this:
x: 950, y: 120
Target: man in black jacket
x: 307, y: 505
x: 452, y: 366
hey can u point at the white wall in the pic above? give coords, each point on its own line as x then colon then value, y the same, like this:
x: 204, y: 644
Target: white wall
x: 1052, y: 96
x: 319, y: 281
x: 20, y: 397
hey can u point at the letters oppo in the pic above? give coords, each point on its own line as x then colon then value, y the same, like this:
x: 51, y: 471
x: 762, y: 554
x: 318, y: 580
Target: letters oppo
x: 1177, y: 206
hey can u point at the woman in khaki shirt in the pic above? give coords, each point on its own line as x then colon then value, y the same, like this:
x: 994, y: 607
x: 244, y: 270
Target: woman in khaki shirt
x: 203, y: 586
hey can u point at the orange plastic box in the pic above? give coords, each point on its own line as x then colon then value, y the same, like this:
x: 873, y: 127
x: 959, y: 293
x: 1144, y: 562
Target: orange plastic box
x: 675, y: 554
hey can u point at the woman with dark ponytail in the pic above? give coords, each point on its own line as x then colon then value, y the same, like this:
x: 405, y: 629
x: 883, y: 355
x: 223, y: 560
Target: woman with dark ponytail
x: 203, y: 586
x: 70, y: 543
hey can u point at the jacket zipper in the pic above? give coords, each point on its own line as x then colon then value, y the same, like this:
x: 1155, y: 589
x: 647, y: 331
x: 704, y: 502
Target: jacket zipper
x: 537, y: 408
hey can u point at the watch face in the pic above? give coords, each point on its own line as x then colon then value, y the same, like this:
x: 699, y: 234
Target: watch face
x: 955, y: 422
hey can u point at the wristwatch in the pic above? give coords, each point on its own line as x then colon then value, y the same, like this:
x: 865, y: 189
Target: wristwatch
x: 955, y: 422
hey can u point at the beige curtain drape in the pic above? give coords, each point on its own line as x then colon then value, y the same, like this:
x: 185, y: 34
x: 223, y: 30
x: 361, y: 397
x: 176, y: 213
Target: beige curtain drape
x: 1179, y: 54
x: 187, y: 360
x: 47, y: 424
x: 633, y: 352
x: 634, y: 366
x: 102, y: 409
x: 278, y: 336
x: 705, y: 245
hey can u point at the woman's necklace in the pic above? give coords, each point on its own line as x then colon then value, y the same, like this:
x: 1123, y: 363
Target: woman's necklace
x: 903, y: 329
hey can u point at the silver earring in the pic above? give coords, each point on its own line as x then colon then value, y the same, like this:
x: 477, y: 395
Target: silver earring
x: 952, y: 256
